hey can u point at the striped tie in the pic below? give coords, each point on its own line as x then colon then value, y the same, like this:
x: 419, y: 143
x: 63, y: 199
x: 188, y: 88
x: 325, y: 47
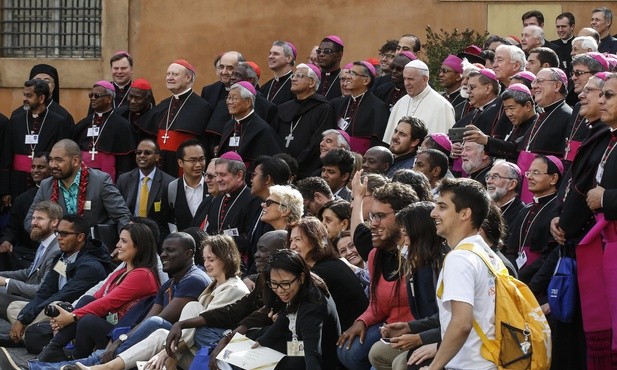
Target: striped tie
x: 143, y: 198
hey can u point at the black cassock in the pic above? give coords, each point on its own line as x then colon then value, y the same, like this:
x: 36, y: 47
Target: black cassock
x: 136, y: 120
x: 115, y: 138
x: 609, y: 180
x: 299, y: 125
x: 490, y: 119
x: 531, y: 230
x: 278, y: 91
x: 330, y: 85
x: 548, y: 135
x: 234, y: 214
x: 17, y: 155
x: 174, y: 121
x: 220, y: 116
x: 250, y: 138
x: 512, y: 144
x: 363, y: 118
x: 576, y: 219
x: 458, y: 102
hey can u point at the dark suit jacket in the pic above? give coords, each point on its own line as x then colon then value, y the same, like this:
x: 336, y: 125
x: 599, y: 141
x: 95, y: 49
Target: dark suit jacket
x: 158, y: 207
x: 212, y: 92
x: 180, y: 214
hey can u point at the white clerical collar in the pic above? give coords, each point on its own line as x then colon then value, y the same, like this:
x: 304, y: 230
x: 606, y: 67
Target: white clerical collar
x: 102, y: 114
x: 243, y: 118
x: 283, y: 76
x: 482, y: 108
x: 122, y: 86
x: 177, y: 96
x: 358, y: 96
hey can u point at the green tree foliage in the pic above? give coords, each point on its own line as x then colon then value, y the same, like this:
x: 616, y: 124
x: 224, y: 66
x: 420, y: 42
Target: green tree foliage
x: 439, y: 44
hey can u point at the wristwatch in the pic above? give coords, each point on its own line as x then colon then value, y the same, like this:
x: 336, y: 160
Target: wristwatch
x: 228, y: 333
x: 123, y: 337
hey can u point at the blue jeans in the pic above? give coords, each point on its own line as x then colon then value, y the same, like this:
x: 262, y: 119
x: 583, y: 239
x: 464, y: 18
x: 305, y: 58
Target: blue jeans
x: 93, y: 359
x: 206, y: 336
x: 147, y: 327
x: 356, y: 357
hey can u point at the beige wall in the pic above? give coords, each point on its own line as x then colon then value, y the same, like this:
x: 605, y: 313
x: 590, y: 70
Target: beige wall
x: 157, y: 32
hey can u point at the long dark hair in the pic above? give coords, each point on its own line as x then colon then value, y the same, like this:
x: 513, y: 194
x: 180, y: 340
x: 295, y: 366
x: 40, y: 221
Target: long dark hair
x: 425, y: 246
x: 143, y: 240
x: 290, y: 261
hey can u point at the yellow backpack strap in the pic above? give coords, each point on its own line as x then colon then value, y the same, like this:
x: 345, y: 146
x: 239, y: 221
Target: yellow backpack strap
x: 487, y: 342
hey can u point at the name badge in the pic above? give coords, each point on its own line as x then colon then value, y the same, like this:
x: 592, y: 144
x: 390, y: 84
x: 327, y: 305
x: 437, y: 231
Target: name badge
x: 342, y: 124
x: 295, y: 348
x: 112, y: 318
x: 60, y: 268
x: 32, y: 139
x: 521, y: 260
x: 234, y: 141
x: 93, y: 131
x: 600, y: 173
x: 231, y: 232
x: 87, y: 205
x: 157, y: 206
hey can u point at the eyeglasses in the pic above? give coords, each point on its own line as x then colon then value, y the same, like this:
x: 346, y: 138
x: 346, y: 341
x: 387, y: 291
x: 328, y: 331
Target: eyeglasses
x: 298, y: 75
x: 541, y: 80
x: 64, y: 234
x: 195, y: 160
x: 580, y: 73
x: 269, y: 202
x: 96, y: 96
x: 386, y: 56
x: 535, y: 173
x: 283, y: 286
x: 496, y: 176
x: 445, y: 70
x: 210, y: 176
x: 587, y: 90
x: 144, y: 152
x: 232, y: 99
x: 325, y: 51
x: 607, y: 94
x: 378, y: 216
x: 356, y: 74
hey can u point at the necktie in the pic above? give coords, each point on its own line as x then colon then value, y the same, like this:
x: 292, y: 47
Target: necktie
x: 37, y: 259
x: 143, y: 198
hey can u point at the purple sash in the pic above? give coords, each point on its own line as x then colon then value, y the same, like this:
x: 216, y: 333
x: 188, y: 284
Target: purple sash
x: 524, y: 162
x: 105, y: 162
x: 596, y: 257
x: 572, y: 149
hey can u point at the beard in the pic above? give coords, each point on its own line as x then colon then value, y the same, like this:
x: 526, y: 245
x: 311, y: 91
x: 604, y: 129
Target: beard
x: 497, y: 194
x: 38, y: 234
x: 464, y: 93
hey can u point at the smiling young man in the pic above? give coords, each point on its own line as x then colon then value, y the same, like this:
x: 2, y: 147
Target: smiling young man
x: 406, y: 139
x: 468, y: 289
x: 143, y: 188
x: 388, y: 295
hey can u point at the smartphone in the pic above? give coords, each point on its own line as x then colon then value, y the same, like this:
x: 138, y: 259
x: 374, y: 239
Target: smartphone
x: 385, y: 340
x: 457, y: 134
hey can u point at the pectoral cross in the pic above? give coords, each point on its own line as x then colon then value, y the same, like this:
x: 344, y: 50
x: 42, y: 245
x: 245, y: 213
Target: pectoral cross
x: 288, y: 139
x: 165, y: 137
x: 567, y: 150
x: 92, y: 153
x: 31, y: 156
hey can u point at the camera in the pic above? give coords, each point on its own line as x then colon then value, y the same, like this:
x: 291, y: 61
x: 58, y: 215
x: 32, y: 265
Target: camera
x: 52, y: 311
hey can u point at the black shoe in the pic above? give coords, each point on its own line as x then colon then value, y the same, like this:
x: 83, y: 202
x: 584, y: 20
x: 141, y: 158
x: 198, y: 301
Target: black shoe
x: 7, y: 362
x: 7, y: 342
x: 52, y: 353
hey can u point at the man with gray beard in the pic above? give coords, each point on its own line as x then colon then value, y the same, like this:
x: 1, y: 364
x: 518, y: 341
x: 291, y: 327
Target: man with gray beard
x: 476, y: 162
x: 503, y: 183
